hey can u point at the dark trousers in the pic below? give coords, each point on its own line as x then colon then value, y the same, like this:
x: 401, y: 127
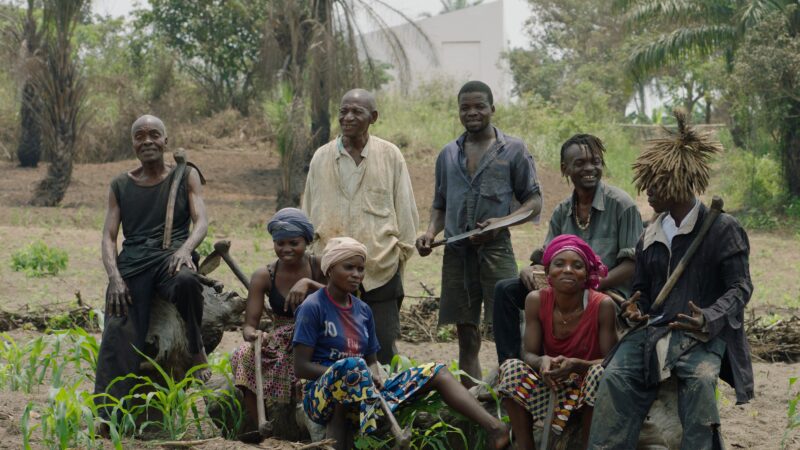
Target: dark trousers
x: 385, y: 302
x: 123, y: 335
x: 509, y: 300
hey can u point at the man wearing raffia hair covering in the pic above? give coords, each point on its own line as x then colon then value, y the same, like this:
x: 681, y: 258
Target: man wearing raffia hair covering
x: 340, y: 248
x: 696, y: 334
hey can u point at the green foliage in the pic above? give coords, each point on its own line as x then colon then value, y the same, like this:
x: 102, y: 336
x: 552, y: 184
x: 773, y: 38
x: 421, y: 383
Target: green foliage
x: 24, y: 367
x: 178, y: 402
x: 572, y: 42
x: 792, y: 414
x: 38, y: 260
x: 218, y: 43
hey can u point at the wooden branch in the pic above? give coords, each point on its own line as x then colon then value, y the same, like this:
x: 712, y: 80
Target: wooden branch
x: 185, y: 444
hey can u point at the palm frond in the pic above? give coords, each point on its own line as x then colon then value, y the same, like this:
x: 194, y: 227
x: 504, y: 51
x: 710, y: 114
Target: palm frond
x: 673, y: 47
x: 660, y: 10
x: 757, y: 10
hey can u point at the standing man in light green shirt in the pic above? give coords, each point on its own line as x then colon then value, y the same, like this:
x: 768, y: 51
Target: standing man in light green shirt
x: 358, y: 186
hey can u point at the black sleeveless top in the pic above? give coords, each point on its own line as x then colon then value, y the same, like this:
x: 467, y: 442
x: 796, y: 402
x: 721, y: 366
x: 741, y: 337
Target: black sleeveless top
x: 276, y: 299
x: 143, y: 212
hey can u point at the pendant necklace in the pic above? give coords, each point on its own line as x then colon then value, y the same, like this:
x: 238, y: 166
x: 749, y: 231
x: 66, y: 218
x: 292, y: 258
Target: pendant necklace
x: 578, y: 222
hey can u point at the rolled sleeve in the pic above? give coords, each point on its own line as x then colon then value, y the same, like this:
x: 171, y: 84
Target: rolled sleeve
x: 440, y: 188
x: 525, y: 182
x: 406, y: 209
x: 630, y: 229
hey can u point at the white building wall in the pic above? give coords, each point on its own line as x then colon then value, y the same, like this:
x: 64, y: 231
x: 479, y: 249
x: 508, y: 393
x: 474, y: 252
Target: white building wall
x: 467, y: 45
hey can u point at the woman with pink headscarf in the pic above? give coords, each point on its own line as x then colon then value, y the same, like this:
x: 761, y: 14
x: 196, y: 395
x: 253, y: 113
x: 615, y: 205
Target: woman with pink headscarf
x: 569, y: 328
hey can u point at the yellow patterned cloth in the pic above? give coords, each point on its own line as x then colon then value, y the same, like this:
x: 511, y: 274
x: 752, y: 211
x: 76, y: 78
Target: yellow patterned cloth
x: 348, y: 382
x: 521, y: 383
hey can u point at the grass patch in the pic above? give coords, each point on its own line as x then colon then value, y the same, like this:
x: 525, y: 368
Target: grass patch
x: 38, y: 260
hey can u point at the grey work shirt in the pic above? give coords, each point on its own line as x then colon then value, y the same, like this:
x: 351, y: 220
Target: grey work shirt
x: 614, y: 228
x: 506, y: 172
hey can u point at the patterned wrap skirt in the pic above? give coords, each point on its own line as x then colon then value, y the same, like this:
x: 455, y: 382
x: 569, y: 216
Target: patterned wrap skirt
x: 521, y: 383
x: 277, y: 362
x: 348, y: 381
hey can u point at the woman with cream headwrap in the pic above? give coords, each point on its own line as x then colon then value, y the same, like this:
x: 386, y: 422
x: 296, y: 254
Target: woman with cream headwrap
x: 335, y: 349
x: 569, y: 328
x: 286, y: 282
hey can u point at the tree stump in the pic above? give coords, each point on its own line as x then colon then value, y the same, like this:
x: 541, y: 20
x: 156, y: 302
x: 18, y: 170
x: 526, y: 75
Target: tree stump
x: 166, y: 339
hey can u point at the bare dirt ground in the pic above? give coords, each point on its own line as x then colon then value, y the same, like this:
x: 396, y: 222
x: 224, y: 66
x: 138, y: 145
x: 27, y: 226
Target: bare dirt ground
x: 240, y: 194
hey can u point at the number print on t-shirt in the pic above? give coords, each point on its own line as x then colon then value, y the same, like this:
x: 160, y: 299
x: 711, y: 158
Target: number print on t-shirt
x: 330, y: 329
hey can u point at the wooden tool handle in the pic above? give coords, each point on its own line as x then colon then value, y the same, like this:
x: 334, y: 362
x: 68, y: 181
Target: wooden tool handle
x: 262, y: 416
x: 180, y: 159
x: 223, y: 248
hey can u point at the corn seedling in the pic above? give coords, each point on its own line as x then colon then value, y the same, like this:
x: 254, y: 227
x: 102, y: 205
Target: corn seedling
x: 23, y: 367
x: 793, y: 413
x: 69, y: 420
x: 172, y: 407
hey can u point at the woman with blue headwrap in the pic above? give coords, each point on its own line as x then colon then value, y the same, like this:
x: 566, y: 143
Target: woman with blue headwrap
x: 285, y: 282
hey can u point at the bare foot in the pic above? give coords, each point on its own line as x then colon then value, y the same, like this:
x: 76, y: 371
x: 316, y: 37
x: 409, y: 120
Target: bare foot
x: 203, y: 374
x: 498, y: 438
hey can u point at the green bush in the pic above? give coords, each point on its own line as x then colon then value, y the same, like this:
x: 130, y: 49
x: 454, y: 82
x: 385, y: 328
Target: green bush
x: 38, y: 260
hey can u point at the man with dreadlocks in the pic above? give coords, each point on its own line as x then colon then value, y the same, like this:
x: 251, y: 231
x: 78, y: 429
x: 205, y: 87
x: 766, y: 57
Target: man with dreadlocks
x: 604, y: 216
x: 696, y: 334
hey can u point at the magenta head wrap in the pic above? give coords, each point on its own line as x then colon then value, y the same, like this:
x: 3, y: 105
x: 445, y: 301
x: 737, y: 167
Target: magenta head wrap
x: 594, y: 265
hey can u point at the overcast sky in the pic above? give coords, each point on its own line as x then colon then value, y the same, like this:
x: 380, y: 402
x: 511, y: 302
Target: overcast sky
x: 516, y: 12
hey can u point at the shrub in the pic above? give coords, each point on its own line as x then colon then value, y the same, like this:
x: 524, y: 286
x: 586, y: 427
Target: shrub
x: 38, y: 260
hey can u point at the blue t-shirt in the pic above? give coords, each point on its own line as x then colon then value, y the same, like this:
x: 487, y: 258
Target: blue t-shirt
x: 335, y: 332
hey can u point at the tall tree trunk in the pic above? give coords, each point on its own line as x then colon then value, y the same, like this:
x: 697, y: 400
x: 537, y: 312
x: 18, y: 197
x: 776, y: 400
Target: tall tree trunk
x: 320, y: 84
x: 53, y: 187
x: 791, y: 148
x: 62, y: 90
x: 29, y: 150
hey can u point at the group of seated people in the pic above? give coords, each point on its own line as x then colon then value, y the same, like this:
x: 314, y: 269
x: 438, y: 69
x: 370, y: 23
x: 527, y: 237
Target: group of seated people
x: 324, y: 335
x: 602, y: 274
x: 324, y: 344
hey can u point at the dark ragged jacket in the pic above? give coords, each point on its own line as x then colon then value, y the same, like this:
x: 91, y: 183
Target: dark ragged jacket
x: 717, y: 280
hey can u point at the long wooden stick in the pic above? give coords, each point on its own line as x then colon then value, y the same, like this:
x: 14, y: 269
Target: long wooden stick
x: 402, y: 437
x: 262, y: 415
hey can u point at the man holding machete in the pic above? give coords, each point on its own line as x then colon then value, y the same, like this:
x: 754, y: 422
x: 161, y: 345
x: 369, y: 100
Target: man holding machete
x: 478, y: 176
x: 155, y: 205
x: 691, y: 283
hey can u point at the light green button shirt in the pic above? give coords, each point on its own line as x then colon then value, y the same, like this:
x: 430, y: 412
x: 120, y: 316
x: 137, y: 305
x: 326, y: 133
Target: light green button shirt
x: 614, y: 228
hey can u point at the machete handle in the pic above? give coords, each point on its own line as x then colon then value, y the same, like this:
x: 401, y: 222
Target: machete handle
x: 438, y: 243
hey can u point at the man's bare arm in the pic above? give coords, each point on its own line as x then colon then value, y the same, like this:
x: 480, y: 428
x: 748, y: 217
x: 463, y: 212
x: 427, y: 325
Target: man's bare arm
x: 197, y: 209
x: 618, y: 276
x: 436, y: 226
x: 118, y: 297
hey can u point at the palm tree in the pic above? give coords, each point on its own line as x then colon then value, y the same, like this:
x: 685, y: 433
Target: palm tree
x: 715, y: 27
x: 313, y: 46
x: 62, y: 91
x: 26, y: 37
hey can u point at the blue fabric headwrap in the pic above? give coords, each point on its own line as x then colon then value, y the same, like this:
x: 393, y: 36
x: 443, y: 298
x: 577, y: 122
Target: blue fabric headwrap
x: 290, y: 222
